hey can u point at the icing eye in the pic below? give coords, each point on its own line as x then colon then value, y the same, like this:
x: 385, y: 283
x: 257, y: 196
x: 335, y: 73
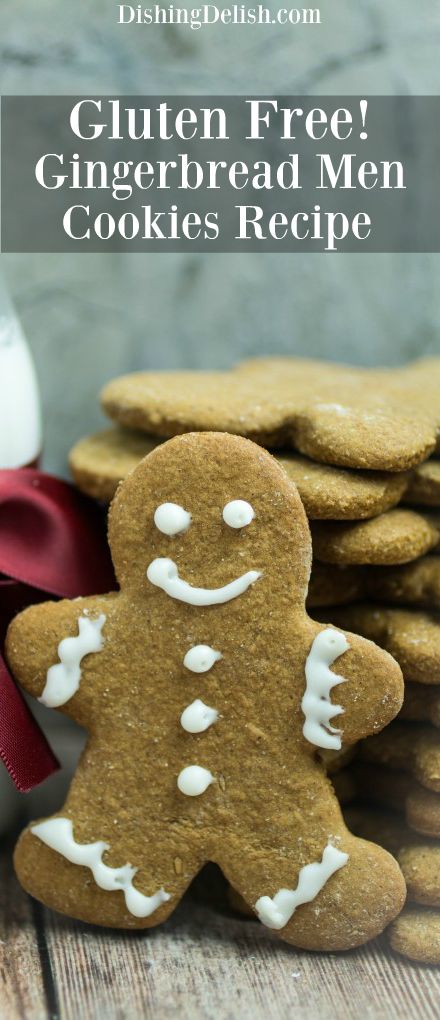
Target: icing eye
x: 171, y: 519
x: 238, y: 513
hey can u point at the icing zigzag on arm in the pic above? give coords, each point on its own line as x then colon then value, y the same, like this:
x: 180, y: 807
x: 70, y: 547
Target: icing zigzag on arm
x: 320, y: 680
x: 276, y: 912
x: 57, y: 833
x: 63, y: 679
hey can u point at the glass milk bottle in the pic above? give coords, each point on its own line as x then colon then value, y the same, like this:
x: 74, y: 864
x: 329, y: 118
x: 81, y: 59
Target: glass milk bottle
x: 20, y: 445
x: 20, y: 414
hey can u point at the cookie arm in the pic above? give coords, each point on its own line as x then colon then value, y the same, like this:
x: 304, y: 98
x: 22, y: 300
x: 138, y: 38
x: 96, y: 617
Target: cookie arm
x: 370, y: 693
x: 48, y: 666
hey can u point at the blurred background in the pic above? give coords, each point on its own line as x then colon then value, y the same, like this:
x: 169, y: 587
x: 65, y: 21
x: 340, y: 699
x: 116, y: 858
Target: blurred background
x: 91, y: 317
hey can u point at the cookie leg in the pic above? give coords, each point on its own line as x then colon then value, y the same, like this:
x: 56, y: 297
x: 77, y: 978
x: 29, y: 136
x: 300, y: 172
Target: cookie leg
x: 324, y: 908
x: 86, y: 887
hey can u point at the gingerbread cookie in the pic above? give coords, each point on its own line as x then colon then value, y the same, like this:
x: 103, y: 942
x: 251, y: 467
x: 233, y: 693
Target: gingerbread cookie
x: 206, y: 691
x: 378, y: 785
x: 394, y: 537
x: 413, y: 747
x: 422, y: 809
x: 420, y: 866
x: 388, y: 828
x: 416, y: 934
x: 411, y: 584
x: 416, y: 583
x: 343, y: 785
x: 423, y: 485
x: 391, y: 788
x: 335, y: 761
x: 421, y: 704
x: 331, y: 585
x: 99, y: 462
x: 345, y: 790
x: 386, y: 420
x: 418, y: 858
x: 332, y: 493
x: 412, y: 637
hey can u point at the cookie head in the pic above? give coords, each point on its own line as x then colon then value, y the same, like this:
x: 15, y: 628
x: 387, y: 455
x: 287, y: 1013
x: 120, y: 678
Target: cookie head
x: 212, y: 512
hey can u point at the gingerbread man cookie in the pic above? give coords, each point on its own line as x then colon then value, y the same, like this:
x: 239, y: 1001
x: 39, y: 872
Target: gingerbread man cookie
x: 419, y: 858
x: 207, y: 692
x: 413, y: 747
x: 397, y: 536
x: 422, y: 809
x: 421, y: 704
x: 100, y: 461
x: 416, y: 934
x: 414, y: 584
x: 391, y: 788
x: 380, y: 419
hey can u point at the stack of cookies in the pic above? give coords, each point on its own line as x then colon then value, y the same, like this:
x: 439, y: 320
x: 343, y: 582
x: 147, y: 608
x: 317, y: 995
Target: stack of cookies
x: 360, y: 445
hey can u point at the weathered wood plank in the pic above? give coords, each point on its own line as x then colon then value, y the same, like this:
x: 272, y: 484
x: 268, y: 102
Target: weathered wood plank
x: 207, y: 964
x: 22, y: 947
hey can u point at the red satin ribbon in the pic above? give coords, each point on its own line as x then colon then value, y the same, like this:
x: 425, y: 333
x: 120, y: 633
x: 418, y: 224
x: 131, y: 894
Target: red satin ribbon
x: 52, y: 542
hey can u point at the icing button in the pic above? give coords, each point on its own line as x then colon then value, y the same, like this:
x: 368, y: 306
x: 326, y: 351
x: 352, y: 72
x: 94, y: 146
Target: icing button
x: 198, y: 717
x: 194, y: 780
x: 200, y: 658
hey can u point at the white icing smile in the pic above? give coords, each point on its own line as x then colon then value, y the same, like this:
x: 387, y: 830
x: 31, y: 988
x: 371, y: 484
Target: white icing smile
x: 276, y: 912
x: 63, y: 679
x: 164, y: 574
x: 57, y: 833
x: 320, y: 680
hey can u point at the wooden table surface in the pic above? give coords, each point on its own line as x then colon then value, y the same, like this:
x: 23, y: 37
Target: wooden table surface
x: 205, y: 963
